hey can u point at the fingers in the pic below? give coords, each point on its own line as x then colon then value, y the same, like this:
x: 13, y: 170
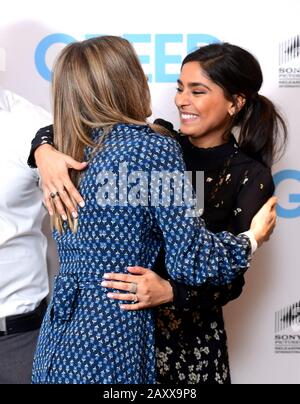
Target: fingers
x: 133, y: 307
x: 76, y: 165
x: 73, y: 193
x: 117, y: 285
x: 128, y: 278
x: 65, y: 201
x: 271, y: 203
x: 54, y: 204
x: 58, y: 206
x: 127, y: 297
x: 121, y: 277
x: 53, y: 167
x: 138, y: 270
x: 273, y: 218
x: 271, y: 227
x: 47, y: 203
x: 122, y: 296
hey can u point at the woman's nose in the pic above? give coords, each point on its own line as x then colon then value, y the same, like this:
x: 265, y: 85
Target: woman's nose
x: 182, y: 99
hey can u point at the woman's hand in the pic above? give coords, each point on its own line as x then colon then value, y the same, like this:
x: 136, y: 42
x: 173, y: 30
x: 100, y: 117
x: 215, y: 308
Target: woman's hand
x: 150, y: 289
x: 264, y: 221
x: 54, y: 171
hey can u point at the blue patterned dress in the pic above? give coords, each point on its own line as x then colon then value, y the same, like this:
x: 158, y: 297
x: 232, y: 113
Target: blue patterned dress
x: 86, y: 337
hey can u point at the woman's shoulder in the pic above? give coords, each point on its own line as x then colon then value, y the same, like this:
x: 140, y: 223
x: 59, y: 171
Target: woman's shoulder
x: 143, y: 133
x: 253, y: 173
x: 244, y: 162
x: 143, y: 144
x: 143, y: 137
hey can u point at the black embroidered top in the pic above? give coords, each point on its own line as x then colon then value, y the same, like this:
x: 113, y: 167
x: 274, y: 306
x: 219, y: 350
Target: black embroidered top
x: 191, y: 340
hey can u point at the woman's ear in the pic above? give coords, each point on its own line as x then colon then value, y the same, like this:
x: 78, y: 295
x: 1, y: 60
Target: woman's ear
x: 232, y: 109
x: 237, y: 104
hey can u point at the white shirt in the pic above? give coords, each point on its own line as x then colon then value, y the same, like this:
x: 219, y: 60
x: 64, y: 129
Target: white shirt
x: 23, y: 270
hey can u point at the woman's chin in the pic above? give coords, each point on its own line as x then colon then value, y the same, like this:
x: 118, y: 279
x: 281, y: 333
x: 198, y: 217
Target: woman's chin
x: 187, y: 132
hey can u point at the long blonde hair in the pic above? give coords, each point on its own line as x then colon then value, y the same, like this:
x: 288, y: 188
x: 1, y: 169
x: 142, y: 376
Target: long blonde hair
x: 96, y: 83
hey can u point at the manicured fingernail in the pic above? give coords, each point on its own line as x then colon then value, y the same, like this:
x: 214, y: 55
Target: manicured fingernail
x: 82, y: 204
x: 110, y: 295
x: 75, y: 215
x: 51, y: 213
x: 106, y: 276
x: 104, y: 283
x: 64, y: 217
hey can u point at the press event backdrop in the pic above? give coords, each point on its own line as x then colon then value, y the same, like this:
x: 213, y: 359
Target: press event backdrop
x: 264, y: 323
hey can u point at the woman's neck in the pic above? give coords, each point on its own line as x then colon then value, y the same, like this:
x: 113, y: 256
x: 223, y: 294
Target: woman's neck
x: 205, y: 142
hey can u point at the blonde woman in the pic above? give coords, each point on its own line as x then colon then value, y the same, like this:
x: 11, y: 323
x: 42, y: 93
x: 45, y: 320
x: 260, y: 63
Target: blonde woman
x: 101, y: 104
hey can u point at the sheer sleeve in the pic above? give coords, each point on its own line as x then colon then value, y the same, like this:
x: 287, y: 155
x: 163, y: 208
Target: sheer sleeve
x: 207, y: 295
x: 43, y: 136
x: 256, y: 188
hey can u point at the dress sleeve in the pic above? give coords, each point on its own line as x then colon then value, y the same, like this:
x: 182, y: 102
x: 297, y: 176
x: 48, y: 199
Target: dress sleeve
x: 207, y: 295
x: 194, y: 255
x: 43, y: 136
x: 256, y: 188
x: 204, y: 296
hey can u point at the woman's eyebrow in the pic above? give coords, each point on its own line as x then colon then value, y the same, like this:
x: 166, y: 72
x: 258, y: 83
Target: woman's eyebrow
x: 194, y: 84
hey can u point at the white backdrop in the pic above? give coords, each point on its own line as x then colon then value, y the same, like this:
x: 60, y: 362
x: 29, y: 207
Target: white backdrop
x: 31, y: 34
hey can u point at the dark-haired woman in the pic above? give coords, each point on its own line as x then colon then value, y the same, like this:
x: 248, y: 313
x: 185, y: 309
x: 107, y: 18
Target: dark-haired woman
x: 190, y: 336
x: 218, y: 90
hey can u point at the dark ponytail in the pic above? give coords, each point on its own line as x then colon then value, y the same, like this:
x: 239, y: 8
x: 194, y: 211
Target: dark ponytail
x: 262, y: 130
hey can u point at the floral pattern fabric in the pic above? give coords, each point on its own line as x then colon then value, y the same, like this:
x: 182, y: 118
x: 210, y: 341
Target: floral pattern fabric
x: 85, y: 336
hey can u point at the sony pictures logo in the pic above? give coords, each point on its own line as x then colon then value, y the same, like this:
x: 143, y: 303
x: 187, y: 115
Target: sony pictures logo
x: 287, y: 329
x: 289, y: 62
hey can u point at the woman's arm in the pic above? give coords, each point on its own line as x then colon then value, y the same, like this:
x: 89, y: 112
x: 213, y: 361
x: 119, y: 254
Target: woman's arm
x: 256, y: 188
x: 194, y: 255
x: 261, y: 230
x: 54, y: 170
x: 43, y: 136
x: 57, y: 176
x: 153, y: 290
